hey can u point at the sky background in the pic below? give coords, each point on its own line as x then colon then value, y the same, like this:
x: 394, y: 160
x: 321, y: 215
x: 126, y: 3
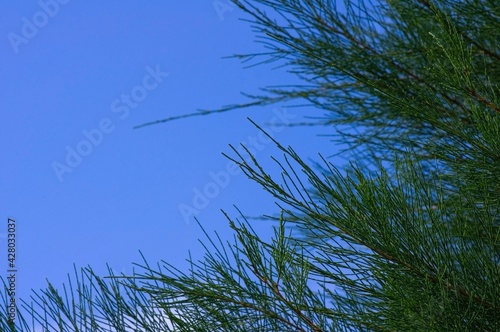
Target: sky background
x: 65, y: 74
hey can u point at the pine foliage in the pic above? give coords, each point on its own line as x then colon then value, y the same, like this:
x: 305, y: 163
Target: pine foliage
x: 407, y: 238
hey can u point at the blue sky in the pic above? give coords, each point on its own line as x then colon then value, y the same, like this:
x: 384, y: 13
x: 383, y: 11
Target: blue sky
x: 86, y: 188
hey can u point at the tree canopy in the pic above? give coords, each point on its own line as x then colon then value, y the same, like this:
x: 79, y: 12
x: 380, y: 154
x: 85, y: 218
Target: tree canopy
x: 407, y: 238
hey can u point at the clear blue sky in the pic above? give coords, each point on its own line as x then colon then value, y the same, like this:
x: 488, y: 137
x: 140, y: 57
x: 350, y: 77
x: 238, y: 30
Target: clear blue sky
x: 75, y: 79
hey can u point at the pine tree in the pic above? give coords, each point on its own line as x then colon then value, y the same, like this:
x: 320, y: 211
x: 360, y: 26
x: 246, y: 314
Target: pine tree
x: 407, y: 238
